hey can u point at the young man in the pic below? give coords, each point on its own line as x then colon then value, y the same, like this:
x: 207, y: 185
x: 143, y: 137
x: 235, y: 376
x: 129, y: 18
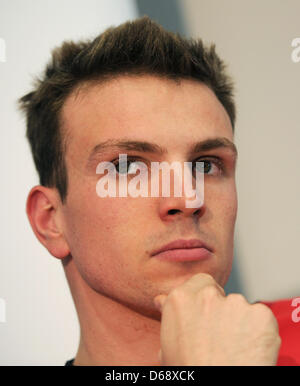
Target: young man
x: 146, y: 272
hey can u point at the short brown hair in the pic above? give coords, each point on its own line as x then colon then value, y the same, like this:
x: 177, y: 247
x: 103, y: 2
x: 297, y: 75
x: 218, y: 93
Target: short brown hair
x: 135, y: 47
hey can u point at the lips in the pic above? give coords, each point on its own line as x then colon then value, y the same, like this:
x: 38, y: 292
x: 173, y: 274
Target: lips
x: 183, y: 250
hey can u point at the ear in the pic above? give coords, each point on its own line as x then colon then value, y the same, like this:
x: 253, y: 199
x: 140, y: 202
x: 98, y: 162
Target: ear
x: 42, y: 209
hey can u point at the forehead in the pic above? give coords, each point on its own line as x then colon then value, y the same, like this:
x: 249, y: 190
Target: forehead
x: 145, y: 108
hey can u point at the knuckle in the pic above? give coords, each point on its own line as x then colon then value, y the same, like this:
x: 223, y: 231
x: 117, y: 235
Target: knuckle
x: 205, y: 276
x: 209, y: 291
x: 263, y: 311
x: 266, y: 317
x: 237, y: 298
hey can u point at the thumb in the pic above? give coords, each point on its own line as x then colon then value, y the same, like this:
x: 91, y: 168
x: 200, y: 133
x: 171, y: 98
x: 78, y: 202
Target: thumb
x: 159, y: 301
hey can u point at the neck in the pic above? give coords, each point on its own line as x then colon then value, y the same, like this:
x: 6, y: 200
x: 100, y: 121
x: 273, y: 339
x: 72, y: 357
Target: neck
x: 111, y: 333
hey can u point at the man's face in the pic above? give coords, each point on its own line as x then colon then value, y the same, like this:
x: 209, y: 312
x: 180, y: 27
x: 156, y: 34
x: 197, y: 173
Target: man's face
x: 111, y: 239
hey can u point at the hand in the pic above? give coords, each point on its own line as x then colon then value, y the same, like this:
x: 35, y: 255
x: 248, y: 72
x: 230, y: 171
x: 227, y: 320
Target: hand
x: 201, y: 326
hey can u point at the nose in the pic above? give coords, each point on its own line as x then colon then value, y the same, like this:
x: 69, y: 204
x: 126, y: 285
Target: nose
x: 179, y: 203
x: 173, y: 208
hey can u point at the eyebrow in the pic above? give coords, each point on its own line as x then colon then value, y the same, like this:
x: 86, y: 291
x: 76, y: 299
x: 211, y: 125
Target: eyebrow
x: 215, y: 143
x: 149, y: 147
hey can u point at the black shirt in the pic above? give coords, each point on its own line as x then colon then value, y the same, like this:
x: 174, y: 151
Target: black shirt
x: 70, y: 362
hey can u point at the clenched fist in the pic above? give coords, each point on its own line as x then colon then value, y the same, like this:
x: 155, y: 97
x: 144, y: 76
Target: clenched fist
x: 201, y: 326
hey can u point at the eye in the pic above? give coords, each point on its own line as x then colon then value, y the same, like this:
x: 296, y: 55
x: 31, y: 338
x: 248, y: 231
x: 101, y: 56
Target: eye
x: 128, y: 167
x: 210, y: 166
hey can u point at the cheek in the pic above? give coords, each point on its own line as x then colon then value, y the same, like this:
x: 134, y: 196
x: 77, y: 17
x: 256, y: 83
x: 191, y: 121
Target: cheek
x: 221, y: 202
x: 102, y: 235
x: 227, y: 207
x: 92, y: 229
x: 222, y: 208
x: 100, y: 225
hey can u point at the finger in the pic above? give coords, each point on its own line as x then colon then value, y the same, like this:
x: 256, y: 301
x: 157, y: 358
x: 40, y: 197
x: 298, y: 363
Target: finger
x: 201, y: 280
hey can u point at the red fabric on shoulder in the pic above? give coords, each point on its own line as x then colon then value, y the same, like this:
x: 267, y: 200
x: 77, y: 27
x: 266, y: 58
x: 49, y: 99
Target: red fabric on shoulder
x: 287, y: 313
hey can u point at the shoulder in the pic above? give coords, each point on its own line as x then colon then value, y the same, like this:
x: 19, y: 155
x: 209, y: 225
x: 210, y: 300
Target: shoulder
x: 287, y: 313
x: 69, y: 362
